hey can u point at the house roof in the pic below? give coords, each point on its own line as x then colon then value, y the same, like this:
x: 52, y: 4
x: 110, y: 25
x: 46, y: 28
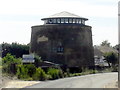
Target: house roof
x: 65, y: 14
x: 105, y: 49
x: 97, y: 52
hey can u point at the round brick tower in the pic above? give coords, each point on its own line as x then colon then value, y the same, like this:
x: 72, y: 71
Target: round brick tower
x: 64, y: 39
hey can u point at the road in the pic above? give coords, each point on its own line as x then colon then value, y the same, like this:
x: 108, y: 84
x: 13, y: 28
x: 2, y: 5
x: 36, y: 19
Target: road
x: 86, y: 81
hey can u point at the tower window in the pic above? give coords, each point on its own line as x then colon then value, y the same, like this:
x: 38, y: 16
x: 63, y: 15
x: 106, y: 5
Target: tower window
x: 50, y: 21
x: 80, y: 21
x: 77, y: 20
x: 60, y: 49
x: 58, y: 20
x: 62, y: 20
x: 54, y: 20
x: 70, y: 20
x: 73, y: 20
x: 66, y: 20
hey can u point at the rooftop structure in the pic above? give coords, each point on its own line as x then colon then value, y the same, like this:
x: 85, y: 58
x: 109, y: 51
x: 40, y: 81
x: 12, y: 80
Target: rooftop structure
x: 64, y: 18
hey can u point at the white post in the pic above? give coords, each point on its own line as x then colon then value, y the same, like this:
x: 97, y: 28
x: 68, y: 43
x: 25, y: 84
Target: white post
x: 1, y: 84
x: 119, y: 43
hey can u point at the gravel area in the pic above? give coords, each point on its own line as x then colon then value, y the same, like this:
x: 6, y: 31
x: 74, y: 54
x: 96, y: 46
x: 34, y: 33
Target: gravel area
x: 8, y: 82
x: 20, y: 84
x: 4, y: 80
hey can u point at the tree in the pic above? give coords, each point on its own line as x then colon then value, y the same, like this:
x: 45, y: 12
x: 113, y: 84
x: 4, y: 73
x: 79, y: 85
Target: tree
x: 15, y: 49
x: 116, y: 47
x: 111, y: 58
x: 105, y: 43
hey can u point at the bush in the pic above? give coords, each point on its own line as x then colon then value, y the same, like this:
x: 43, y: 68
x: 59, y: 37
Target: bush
x: 94, y: 71
x: 75, y: 74
x: 39, y: 75
x: 48, y: 77
x: 26, y: 71
x: 38, y: 60
x: 22, y: 72
x: 61, y: 73
x: 55, y: 73
x: 65, y: 74
x: 31, y: 69
x: 9, y: 63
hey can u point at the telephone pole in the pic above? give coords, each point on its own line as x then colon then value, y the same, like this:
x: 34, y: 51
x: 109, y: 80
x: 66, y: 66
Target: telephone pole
x: 119, y: 44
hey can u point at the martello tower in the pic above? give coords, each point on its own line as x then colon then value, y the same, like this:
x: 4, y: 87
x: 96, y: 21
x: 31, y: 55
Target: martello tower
x: 63, y: 39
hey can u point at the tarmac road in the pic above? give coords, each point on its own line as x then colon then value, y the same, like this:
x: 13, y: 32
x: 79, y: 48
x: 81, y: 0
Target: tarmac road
x: 86, y: 81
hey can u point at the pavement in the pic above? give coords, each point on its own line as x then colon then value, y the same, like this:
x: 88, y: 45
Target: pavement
x: 86, y: 81
x: 113, y: 84
x: 102, y: 80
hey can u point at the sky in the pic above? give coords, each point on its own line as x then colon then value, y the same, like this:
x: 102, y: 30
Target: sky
x: 18, y: 16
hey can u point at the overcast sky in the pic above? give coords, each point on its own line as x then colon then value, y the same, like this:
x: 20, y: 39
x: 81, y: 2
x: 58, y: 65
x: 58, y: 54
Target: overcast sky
x: 17, y: 17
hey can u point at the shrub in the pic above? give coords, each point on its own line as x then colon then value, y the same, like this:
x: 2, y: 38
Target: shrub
x: 39, y: 75
x: 26, y: 71
x: 22, y: 72
x: 37, y: 60
x: 9, y: 63
x: 75, y: 74
x: 55, y: 73
x: 31, y: 69
x: 61, y: 73
x: 94, y: 71
x: 65, y: 74
x: 86, y: 71
x: 48, y: 77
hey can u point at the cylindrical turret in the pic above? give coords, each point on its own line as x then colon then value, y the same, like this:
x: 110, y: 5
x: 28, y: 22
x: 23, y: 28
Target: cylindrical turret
x: 64, y: 39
